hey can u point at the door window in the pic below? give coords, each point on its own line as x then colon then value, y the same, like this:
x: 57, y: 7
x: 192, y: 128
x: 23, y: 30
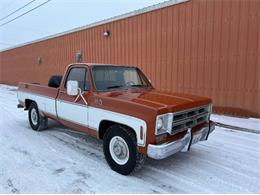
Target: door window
x: 80, y: 75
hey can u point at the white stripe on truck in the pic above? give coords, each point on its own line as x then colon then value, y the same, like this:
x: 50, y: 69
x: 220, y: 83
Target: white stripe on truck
x: 84, y: 115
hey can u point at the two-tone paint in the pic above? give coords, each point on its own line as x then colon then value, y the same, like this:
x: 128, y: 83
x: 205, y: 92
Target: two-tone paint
x: 135, y: 108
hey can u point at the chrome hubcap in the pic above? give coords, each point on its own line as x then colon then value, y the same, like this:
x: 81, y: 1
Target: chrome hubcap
x: 34, y: 116
x: 119, y: 150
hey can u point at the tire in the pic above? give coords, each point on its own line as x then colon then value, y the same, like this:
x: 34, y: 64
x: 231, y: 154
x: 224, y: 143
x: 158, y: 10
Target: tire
x: 36, y: 120
x: 126, y: 138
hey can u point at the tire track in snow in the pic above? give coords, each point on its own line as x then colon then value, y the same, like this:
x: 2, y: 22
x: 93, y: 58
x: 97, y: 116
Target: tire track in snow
x: 12, y: 188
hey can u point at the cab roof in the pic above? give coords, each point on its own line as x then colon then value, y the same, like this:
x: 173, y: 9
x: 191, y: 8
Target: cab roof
x: 101, y: 64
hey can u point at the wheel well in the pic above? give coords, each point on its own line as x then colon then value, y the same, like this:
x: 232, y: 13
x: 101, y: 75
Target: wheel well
x: 28, y: 103
x: 105, y: 124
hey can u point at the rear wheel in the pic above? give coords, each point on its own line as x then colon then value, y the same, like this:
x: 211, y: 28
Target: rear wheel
x: 36, y: 120
x: 120, y: 150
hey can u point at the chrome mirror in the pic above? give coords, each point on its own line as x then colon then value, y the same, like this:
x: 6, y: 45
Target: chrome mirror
x: 72, y: 88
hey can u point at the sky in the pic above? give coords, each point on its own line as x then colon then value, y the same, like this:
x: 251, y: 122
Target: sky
x: 57, y: 16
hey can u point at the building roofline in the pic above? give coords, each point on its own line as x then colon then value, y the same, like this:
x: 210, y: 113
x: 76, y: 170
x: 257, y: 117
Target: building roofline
x: 105, y: 21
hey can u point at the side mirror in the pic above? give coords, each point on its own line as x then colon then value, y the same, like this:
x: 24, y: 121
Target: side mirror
x: 72, y: 88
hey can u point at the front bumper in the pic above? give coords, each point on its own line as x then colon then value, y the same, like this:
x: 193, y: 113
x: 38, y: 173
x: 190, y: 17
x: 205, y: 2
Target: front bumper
x: 164, y: 150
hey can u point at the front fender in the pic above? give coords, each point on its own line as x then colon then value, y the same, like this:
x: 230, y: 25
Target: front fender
x: 97, y: 115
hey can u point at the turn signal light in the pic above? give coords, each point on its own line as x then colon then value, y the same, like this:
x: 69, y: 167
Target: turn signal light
x: 141, y: 133
x: 160, y: 138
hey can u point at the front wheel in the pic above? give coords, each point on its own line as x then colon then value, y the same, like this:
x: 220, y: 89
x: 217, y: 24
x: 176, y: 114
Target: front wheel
x: 36, y: 120
x: 120, y: 150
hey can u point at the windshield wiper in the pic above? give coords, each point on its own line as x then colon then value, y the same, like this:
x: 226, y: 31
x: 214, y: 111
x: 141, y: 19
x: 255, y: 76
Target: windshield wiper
x: 114, y: 86
x: 138, y: 85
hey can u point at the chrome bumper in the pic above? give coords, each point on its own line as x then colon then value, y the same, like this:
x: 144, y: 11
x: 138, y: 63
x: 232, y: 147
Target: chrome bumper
x: 168, y: 149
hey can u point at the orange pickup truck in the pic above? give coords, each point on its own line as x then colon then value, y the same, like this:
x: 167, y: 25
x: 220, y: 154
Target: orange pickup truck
x: 119, y: 105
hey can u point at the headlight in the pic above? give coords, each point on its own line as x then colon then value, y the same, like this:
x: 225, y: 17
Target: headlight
x: 163, y: 123
x: 159, y: 123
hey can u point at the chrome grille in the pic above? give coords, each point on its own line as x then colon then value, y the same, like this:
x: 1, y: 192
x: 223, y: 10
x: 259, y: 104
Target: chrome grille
x: 189, y: 118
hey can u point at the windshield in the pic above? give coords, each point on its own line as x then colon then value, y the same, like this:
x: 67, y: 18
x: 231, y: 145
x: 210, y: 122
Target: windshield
x: 118, y: 77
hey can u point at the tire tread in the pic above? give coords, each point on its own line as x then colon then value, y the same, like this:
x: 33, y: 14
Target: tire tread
x: 43, y: 120
x: 140, y: 158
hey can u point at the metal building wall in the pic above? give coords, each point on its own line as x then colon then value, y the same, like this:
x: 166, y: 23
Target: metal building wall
x: 209, y: 48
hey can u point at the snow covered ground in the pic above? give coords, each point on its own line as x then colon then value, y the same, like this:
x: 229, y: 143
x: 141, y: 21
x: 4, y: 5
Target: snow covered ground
x: 60, y: 161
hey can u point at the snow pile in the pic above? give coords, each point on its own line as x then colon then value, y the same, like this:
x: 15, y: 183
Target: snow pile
x: 60, y: 161
x: 248, y: 123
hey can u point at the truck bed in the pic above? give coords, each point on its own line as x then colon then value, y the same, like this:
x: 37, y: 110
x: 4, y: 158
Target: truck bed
x: 44, y: 96
x: 38, y: 89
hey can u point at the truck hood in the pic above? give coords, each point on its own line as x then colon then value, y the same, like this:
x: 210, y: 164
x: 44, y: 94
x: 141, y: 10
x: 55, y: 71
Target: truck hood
x: 161, y: 101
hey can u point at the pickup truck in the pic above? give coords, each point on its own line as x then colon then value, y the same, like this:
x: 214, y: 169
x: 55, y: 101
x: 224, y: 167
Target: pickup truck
x: 119, y: 105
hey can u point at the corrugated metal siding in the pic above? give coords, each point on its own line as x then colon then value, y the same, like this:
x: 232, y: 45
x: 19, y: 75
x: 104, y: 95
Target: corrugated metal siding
x: 209, y: 48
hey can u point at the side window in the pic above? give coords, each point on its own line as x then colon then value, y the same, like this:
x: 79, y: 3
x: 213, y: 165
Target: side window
x: 80, y: 75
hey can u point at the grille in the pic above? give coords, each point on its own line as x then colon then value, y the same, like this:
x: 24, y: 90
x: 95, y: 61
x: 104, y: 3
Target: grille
x: 189, y: 118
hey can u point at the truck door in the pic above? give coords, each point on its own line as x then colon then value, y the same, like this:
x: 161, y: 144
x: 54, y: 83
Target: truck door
x: 73, y: 109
